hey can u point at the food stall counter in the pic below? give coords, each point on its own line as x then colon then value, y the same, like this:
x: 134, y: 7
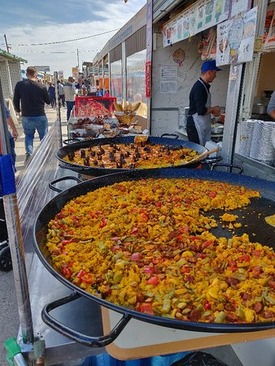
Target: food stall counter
x: 140, y: 339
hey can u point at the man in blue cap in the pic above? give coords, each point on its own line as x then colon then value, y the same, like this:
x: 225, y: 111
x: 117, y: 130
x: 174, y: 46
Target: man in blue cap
x: 200, y: 110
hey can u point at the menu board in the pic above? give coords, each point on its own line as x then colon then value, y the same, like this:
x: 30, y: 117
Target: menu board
x: 168, y: 79
x: 205, y: 14
x: 239, y: 6
x: 236, y: 38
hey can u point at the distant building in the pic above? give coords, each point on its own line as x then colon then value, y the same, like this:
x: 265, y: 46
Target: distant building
x: 10, y: 72
x: 87, y: 68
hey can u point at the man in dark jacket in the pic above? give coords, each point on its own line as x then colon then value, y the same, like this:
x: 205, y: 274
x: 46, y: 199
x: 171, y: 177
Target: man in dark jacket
x: 29, y: 99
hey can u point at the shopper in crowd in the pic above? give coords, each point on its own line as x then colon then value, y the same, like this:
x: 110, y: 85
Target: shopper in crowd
x: 271, y: 106
x: 29, y: 99
x: 51, y: 91
x: 84, y: 90
x: 69, y: 91
x: 12, y: 136
x: 200, y: 110
x: 107, y: 93
x: 61, y: 94
x: 99, y: 92
x: 92, y: 91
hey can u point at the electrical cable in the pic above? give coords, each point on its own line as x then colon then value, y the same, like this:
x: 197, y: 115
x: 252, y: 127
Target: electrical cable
x: 64, y: 41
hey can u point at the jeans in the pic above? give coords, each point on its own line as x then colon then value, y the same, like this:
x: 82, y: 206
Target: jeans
x: 53, y: 102
x: 70, y: 106
x: 30, y: 125
x: 62, y: 100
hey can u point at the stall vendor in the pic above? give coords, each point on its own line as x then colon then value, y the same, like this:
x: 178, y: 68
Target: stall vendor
x: 200, y: 110
x: 271, y: 106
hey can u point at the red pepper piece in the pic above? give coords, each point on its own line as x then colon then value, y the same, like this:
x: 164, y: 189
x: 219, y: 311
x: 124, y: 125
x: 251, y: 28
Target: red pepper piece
x: 146, y: 308
x: 153, y: 281
x: 103, y: 222
x: 66, y: 272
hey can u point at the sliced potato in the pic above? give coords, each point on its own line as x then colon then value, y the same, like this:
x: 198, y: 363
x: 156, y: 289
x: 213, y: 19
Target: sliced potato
x: 270, y: 220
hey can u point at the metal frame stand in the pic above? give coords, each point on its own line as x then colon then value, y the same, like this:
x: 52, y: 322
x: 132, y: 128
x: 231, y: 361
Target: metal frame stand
x: 8, y: 191
x: 58, y: 107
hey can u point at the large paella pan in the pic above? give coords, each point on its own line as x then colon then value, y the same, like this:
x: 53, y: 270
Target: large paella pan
x: 109, y: 155
x: 250, y: 220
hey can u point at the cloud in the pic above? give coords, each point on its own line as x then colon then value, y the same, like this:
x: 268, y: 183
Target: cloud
x: 100, y: 16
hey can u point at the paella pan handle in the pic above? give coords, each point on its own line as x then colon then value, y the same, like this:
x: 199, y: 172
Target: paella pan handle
x: 53, y: 188
x: 86, y: 340
x: 210, y: 161
x: 231, y: 166
x: 70, y: 141
x: 170, y: 135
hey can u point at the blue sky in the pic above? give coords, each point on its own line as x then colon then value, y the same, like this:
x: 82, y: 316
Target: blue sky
x: 38, y: 21
x: 21, y: 12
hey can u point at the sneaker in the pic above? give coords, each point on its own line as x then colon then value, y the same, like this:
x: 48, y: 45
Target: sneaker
x: 27, y: 157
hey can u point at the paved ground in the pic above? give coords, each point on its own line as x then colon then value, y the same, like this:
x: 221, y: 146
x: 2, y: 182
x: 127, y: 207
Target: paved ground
x: 8, y: 306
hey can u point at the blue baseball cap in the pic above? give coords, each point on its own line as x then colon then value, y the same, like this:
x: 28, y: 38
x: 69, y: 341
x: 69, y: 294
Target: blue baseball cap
x: 209, y: 65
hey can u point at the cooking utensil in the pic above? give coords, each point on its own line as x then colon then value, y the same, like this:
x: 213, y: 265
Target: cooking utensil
x: 253, y: 216
x: 96, y: 171
x: 202, y: 156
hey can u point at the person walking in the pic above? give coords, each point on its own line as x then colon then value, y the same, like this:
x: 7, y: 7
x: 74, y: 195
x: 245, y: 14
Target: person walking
x: 29, y: 99
x: 69, y: 91
x: 61, y: 94
x: 51, y: 91
x: 92, y: 91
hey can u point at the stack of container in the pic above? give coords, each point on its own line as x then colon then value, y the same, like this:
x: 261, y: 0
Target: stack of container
x: 255, y: 140
x: 245, y: 133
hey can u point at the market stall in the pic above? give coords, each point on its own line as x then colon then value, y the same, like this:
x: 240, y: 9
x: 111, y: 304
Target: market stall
x: 148, y: 209
x: 103, y: 117
x: 126, y: 55
x: 183, y: 42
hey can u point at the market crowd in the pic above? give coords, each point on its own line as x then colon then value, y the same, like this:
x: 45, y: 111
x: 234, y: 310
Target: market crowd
x: 29, y: 100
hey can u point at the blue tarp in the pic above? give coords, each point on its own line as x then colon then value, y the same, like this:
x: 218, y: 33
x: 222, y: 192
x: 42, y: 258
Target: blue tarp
x: 106, y: 360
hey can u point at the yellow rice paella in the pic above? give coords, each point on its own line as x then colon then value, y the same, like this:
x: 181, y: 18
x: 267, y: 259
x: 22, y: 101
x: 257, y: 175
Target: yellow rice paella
x: 147, y: 245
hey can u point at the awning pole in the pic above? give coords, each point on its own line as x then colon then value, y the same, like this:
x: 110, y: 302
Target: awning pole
x: 14, y: 230
x: 58, y: 107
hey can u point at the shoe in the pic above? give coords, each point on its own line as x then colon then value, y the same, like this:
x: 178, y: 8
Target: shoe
x: 27, y: 157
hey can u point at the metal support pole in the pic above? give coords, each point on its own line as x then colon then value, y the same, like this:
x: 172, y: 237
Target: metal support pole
x: 6, y: 42
x: 109, y: 73
x: 124, y: 73
x: 103, y: 74
x: 58, y: 106
x: 16, y: 243
x: 77, y: 56
x: 149, y: 59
